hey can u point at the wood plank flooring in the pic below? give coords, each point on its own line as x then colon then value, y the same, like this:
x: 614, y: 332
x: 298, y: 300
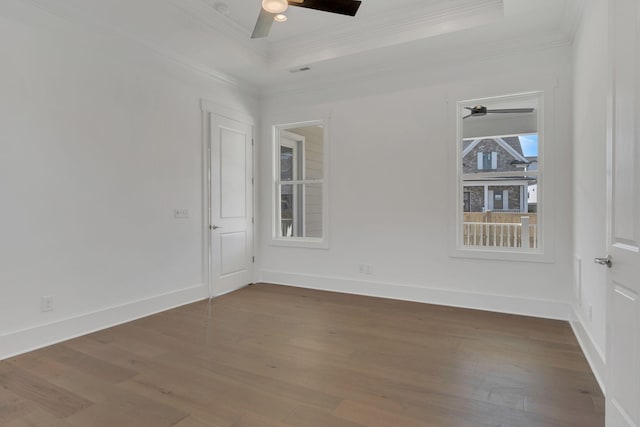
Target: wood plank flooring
x: 275, y: 356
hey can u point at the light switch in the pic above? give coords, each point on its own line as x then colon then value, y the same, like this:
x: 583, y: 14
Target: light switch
x: 180, y: 213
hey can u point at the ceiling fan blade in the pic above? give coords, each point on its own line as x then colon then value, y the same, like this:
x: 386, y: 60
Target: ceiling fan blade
x: 511, y: 110
x: 263, y: 24
x: 342, y: 7
x: 467, y: 116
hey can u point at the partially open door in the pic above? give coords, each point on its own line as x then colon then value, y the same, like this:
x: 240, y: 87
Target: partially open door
x: 623, y: 194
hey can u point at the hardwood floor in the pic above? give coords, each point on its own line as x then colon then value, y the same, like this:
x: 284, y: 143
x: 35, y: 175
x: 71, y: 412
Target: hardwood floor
x: 275, y: 356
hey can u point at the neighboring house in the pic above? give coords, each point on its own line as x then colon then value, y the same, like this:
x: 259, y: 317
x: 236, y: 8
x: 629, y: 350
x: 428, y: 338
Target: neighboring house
x: 484, y: 193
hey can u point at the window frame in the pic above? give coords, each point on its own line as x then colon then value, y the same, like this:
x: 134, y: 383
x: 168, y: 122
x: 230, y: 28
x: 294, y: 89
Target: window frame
x: 545, y: 128
x: 305, y: 242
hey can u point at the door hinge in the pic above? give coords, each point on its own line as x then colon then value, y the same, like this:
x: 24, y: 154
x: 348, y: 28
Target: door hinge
x: 251, y: 180
x: 253, y: 259
x: 252, y: 142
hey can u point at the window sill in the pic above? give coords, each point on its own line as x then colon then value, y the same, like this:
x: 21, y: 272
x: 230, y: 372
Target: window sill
x: 512, y: 254
x: 306, y: 242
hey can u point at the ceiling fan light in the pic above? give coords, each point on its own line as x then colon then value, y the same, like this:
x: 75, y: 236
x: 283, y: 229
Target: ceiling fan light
x: 275, y: 6
x: 280, y: 17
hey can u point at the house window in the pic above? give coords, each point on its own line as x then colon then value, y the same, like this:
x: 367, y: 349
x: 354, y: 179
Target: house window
x: 497, y: 201
x: 299, y: 185
x: 499, y: 168
x: 488, y: 161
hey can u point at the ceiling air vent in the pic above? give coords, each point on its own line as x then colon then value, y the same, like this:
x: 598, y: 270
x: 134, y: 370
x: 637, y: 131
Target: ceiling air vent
x: 297, y: 70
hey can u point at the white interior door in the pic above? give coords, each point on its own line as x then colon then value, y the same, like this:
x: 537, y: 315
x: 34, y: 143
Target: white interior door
x: 623, y: 278
x: 231, y: 227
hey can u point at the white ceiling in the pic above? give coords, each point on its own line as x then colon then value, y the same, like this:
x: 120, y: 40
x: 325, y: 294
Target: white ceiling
x: 214, y: 35
x: 302, y: 21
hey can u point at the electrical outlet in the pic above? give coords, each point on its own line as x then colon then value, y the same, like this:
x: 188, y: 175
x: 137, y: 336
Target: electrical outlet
x: 366, y: 269
x: 46, y: 304
x: 180, y: 213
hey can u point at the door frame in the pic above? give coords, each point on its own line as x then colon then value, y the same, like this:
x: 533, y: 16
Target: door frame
x: 207, y: 108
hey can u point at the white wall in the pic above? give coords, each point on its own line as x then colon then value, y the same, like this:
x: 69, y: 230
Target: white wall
x: 100, y: 139
x: 388, y: 193
x: 589, y: 157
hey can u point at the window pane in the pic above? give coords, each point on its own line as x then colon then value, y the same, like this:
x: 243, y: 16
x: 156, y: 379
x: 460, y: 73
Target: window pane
x: 287, y: 163
x: 313, y: 152
x: 309, y: 140
x: 289, y: 217
x: 497, y: 208
x: 499, y: 174
x: 313, y: 210
x: 301, y: 210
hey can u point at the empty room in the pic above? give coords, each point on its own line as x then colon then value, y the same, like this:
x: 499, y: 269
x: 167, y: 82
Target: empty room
x: 320, y: 213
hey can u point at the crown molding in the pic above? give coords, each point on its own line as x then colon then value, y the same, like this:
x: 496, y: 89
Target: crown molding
x: 399, y: 73
x: 404, y: 25
x: 224, y: 26
x: 415, y: 26
x: 88, y: 22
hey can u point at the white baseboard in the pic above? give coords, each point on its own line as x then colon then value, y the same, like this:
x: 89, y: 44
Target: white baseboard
x: 498, y: 303
x: 592, y: 352
x: 22, y: 341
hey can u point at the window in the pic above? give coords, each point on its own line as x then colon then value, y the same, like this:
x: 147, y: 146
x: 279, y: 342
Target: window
x: 499, y: 170
x: 497, y: 200
x: 488, y: 161
x: 300, y: 191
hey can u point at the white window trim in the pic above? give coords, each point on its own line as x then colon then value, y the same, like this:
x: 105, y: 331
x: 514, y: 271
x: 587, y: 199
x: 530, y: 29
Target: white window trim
x: 301, y: 242
x: 546, y: 152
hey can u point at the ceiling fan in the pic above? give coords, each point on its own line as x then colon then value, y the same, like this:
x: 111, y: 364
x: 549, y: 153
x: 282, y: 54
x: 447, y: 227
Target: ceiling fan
x: 273, y: 10
x: 481, y: 110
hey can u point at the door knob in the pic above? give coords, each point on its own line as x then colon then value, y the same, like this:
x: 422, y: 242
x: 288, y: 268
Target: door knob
x: 214, y: 227
x: 604, y: 261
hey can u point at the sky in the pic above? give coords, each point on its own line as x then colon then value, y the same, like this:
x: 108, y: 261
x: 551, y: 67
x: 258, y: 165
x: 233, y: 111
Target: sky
x: 529, y: 144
